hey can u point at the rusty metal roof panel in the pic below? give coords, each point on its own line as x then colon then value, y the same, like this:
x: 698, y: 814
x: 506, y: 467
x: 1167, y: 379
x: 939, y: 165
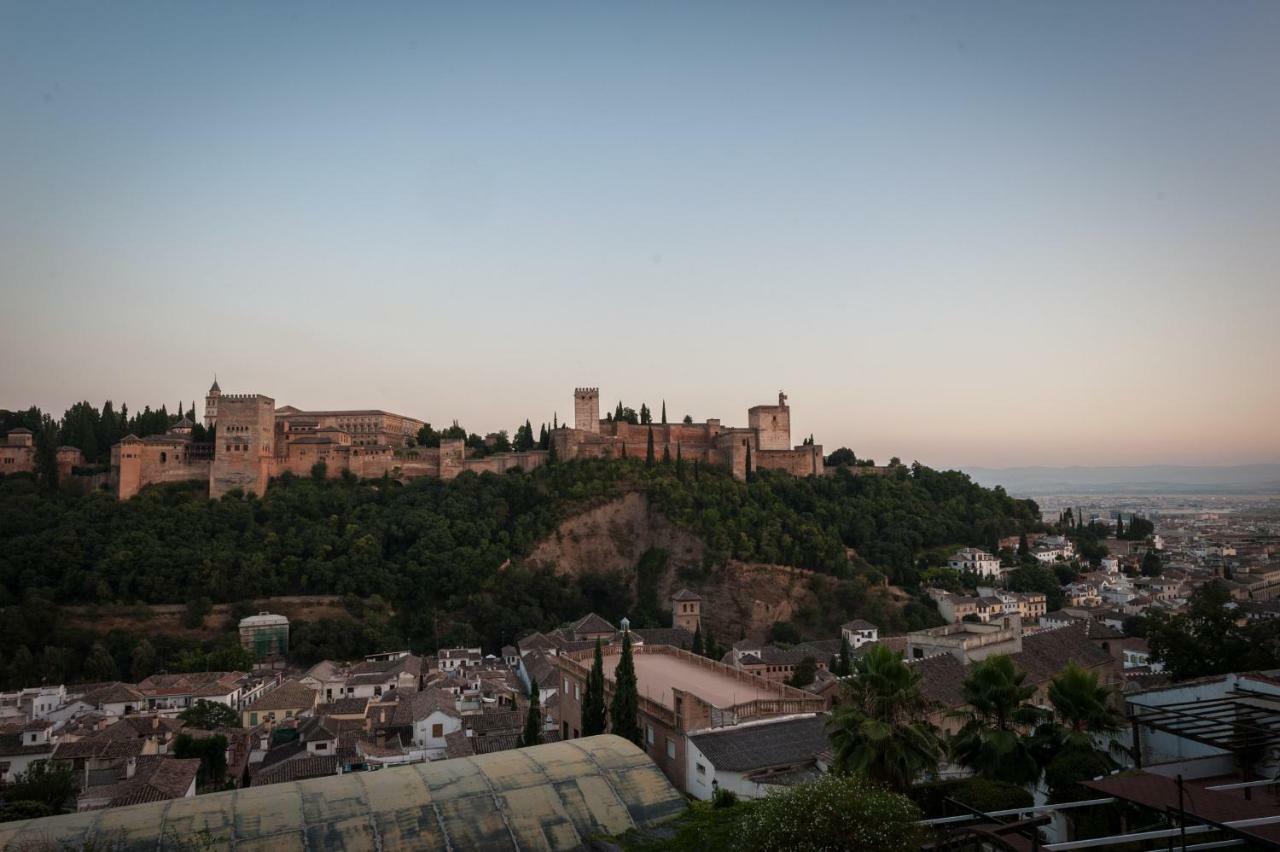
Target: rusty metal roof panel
x: 548, y: 797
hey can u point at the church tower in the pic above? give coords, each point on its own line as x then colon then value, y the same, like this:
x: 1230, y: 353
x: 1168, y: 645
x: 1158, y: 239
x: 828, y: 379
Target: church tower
x: 211, y: 405
x: 686, y: 610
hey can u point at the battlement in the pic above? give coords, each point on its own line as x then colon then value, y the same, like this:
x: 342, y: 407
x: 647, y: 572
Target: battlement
x: 586, y: 409
x: 246, y: 397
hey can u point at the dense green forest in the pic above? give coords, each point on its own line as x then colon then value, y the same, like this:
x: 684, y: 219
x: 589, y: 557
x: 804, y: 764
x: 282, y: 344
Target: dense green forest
x: 436, y: 550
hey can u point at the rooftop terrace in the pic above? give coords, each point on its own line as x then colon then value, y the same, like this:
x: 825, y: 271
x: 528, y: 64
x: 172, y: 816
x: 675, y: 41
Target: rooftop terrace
x: 660, y: 669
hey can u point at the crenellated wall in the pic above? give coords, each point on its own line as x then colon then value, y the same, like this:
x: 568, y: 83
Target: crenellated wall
x: 255, y: 442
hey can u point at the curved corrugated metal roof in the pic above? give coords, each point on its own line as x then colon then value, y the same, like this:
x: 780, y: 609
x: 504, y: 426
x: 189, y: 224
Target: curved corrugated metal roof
x: 547, y: 797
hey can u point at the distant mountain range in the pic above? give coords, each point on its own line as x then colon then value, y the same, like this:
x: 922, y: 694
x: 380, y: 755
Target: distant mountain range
x: 1148, y: 479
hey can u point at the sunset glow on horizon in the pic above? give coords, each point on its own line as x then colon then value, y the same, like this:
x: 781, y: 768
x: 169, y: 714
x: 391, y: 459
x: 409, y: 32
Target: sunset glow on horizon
x: 994, y: 235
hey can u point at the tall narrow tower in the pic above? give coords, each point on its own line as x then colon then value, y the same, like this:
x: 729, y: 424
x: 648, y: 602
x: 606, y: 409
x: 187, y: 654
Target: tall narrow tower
x: 211, y: 405
x: 586, y: 409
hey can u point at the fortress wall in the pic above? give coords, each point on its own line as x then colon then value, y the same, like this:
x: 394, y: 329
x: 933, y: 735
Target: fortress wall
x: 696, y: 434
x: 506, y: 461
x: 800, y: 461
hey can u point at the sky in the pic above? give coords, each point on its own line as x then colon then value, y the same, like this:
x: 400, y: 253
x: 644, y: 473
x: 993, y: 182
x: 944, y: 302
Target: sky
x: 993, y: 234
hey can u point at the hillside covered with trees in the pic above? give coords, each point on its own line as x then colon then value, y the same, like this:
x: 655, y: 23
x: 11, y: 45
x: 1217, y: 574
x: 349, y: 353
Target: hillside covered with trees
x: 447, y: 555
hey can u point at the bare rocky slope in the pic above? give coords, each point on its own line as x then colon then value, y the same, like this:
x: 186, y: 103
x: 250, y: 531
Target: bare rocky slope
x: 739, y: 598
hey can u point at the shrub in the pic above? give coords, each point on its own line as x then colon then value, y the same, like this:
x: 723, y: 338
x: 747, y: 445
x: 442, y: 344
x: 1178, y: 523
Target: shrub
x: 833, y: 813
x: 980, y: 793
x: 723, y: 798
x: 24, y: 809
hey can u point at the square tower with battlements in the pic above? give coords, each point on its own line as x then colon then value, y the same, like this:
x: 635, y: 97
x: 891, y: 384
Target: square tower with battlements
x: 586, y: 409
x: 245, y: 447
x: 772, y: 424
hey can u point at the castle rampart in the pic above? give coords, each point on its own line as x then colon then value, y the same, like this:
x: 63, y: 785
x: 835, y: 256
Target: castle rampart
x: 255, y: 441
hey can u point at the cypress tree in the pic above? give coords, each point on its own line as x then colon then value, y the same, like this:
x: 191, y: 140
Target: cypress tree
x: 593, y: 709
x: 1023, y: 548
x: 532, y: 734
x: 709, y: 649
x: 666, y: 454
x: 47, y: 453
x: 846, y: 657
x: 748, y: 475
x: 664, y: 412
x: 697, y: 641
x: 624, y: 714
x: 1120, y: 526
x: 617, y: 412
x: 648, y: 450
x: 624, y: 449
x: 679, y: 463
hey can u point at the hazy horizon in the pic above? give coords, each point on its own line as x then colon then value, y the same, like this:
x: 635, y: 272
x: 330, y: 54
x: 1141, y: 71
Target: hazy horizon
x: 986, y: 235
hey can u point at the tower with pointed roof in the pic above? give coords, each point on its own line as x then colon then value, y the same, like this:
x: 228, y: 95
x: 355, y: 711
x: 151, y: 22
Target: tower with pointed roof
x: 211, y: 404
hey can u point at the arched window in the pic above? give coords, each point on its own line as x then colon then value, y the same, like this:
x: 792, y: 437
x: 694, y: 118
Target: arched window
x: 164, y: 457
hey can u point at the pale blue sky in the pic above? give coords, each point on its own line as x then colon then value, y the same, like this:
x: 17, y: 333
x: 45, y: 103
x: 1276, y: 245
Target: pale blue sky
x: 996, y: 233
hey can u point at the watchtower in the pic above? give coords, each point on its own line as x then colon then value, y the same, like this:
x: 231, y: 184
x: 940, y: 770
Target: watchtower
x: 772, y: 424
x: 245, y: 446
x: 586, y: 409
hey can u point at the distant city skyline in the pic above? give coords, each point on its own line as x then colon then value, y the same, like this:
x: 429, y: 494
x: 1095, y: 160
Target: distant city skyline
x: 982, y: 235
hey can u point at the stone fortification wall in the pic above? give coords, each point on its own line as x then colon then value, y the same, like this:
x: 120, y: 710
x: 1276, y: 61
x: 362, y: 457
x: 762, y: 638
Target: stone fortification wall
x: 801, y: 461
x: 139, y: 462
x: 503, y: 462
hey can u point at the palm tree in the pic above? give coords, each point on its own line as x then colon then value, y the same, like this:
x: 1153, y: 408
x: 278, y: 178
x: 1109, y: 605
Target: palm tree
x: 998, y: 713
x: 1068, y: 745
x: 1082, y: 706
x: 880, y: 729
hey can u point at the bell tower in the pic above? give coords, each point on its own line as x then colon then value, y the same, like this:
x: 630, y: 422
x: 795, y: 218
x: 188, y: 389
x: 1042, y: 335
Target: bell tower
x: 211, y: 404
x: 686, y: 610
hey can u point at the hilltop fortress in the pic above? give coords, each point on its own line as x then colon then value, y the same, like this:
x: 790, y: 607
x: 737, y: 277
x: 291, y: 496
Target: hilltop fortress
x: 253, y: 441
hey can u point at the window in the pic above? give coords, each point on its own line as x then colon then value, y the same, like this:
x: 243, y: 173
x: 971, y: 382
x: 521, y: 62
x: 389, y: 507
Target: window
x: 648, y: 734
x: 437, y: 730
x: 322, y: 746
x: 577, y: 693
x: 702, y: 770
x: 566, y: 686
x: 671, y: 748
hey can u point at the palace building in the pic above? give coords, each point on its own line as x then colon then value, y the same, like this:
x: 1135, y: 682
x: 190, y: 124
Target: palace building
x: 253, y: 440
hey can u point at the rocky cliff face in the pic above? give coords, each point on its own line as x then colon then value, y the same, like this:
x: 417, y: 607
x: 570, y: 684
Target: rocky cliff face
x: 739, y: 599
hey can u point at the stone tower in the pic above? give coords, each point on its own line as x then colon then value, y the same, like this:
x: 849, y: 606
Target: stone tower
x: 211, y: 405
x: 245, y: 448
x: 586, y: 409
x: 772, y: 424
x: 686, y: 610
